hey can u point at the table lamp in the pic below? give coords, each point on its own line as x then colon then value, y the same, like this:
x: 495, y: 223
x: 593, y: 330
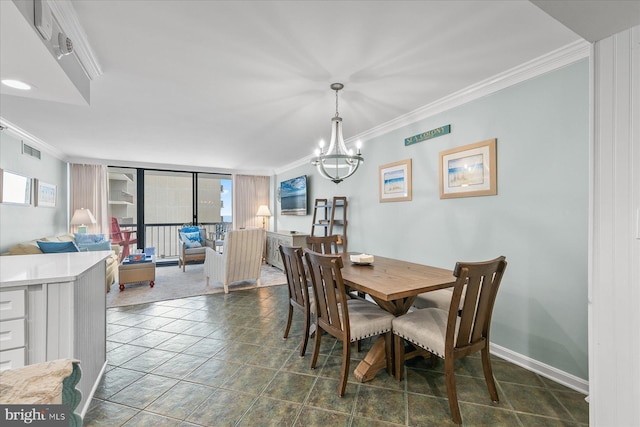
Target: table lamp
x: 81, y: 217
x: 264, y: 212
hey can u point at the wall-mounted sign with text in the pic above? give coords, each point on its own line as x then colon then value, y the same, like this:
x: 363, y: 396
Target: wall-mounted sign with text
x: 433, y: 133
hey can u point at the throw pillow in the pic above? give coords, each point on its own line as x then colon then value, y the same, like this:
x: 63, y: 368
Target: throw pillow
x: 193, y: 236
x: 57, y: 247
x: 190, y: 229
x: 191, y: 245
x: 83, y: 238
x: 92, y: 247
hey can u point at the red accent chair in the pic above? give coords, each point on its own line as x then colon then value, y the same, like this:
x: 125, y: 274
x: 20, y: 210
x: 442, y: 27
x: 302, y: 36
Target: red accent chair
x: 122, y: 238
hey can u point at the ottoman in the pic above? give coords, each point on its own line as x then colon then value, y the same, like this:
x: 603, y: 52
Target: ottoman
x: 134, y: 272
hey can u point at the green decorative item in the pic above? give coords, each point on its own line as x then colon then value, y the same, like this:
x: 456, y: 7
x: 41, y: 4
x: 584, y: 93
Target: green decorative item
x: 433, y: 133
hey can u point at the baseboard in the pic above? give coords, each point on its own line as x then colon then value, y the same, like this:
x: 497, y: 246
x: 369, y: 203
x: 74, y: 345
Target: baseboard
x: 561, y: 377
x: 87, y: 404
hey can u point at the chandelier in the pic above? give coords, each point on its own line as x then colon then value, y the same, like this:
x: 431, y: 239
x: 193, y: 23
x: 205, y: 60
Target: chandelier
x: 338, y: 163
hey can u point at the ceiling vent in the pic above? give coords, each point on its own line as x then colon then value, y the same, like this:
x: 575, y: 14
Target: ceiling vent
x: 30, y: 151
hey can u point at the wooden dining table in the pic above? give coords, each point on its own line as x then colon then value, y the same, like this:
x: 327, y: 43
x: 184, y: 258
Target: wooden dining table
x: 393, y: 284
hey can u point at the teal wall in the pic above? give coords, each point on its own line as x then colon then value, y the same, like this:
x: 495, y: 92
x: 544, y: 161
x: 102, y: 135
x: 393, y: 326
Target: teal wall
x: 538, y: 220
x: 22, y: 223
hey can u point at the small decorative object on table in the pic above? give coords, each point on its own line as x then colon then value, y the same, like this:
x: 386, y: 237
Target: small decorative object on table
x: 361, y: 259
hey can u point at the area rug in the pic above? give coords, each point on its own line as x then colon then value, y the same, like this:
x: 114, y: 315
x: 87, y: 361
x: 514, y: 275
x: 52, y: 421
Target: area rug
x: 171, y: 283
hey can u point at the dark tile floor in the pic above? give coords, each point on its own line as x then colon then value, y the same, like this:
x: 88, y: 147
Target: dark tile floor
x: 220, y: 360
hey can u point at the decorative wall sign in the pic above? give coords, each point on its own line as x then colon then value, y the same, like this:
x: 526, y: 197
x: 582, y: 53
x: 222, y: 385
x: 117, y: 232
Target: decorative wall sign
x: 433, y: 133
x: 45, y: 195
x: 469, y: 170
x: 395, y: 181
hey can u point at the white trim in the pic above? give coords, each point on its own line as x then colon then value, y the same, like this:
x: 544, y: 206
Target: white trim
x: 536, y: 67
x: 22, y: 135
x: 66, y: 16
x: 540, y: 368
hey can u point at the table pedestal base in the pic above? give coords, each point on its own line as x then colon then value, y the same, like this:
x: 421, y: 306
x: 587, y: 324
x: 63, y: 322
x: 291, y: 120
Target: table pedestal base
x: 374, y: 361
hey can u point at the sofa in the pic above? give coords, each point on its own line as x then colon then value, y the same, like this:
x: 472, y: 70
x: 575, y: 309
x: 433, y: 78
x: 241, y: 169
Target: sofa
x: 31, y: 247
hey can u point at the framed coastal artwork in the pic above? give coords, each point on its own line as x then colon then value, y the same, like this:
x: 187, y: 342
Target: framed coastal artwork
x: 395, y: 181
x: 45, y: 195
x: 469, y: 170
x: 15, y: 188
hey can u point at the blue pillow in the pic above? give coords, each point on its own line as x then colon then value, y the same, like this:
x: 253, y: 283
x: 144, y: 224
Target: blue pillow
x: 57, y: 247
x: 91, y: 247
x: 190, y: 229
x: 88, y: 238
x: 193, y: 236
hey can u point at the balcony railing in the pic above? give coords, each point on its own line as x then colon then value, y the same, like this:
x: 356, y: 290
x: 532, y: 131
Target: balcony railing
x: 164, y: 237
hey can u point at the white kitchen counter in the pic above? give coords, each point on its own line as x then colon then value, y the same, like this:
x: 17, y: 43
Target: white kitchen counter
x: 17, y: 270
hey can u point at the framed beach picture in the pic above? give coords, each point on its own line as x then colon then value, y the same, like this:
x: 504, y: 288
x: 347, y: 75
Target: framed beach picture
x: 45, y: 195
x: 15, y: 189
x: 395, y: 181
x: 469, y: 171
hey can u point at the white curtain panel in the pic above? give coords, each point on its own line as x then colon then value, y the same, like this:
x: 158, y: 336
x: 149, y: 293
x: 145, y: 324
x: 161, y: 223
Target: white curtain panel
x: 249, y: 192
x: 88, y: 185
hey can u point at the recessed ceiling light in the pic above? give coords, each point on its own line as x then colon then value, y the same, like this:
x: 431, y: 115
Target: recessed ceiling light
x: 16, y: 84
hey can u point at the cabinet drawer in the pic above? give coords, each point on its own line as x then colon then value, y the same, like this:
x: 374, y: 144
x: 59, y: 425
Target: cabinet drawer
x: 12, y: 304
x: 11, y: 334
x: 11, y: 359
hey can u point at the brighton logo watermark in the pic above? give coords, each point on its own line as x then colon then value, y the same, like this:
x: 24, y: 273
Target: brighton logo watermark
x: 34, y: 415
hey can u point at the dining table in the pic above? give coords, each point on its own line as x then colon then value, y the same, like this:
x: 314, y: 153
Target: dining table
x: 393, y: 284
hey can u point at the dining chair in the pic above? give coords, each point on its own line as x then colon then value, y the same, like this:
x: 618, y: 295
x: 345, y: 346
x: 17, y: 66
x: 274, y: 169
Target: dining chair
x: 324, y: 244
x: 435, y: 299
x: 348, y: 320
x: 459, y: 331
x: 299, y: 296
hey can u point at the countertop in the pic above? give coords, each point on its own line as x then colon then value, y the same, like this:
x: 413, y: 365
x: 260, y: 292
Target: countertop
x: 18, y: 270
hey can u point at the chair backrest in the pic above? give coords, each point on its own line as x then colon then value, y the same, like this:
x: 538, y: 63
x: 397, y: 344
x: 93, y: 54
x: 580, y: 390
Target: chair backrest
x: 470, y: 318
x: 116, y: 234
x: 329, y: 291
x: 242, y: 253
x: 323, y: 244
x: 296, y: 275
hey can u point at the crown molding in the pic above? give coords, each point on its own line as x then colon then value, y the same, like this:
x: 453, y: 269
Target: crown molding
x: 25, y: 136
x: 551, y: 61
x: 67, y: 18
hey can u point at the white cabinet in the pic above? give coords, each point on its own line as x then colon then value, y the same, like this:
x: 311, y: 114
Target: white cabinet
x: 12, y: 329
x: 285, y: 238
x: 53, y: 306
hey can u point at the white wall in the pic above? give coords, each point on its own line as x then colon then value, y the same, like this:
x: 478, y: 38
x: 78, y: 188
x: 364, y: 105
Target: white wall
x: 22, y: 223
x: 538, y: 220
x: 614, y: 342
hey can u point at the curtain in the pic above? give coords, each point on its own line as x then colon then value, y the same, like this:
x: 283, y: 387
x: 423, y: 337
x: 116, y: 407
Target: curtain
x: 88, y: 189
x: 249, y: 192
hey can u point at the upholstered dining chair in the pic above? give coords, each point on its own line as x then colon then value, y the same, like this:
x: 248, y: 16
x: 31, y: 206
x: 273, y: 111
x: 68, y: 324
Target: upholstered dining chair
x: 435, y: 299
x: 323, y: 244
x: 240, y: 259
x: 299, y: 296
x: 346, y: 319
x: 459, y: 331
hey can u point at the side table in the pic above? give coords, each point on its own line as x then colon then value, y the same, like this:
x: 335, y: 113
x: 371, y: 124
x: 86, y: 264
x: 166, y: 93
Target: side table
x: 134, y: 272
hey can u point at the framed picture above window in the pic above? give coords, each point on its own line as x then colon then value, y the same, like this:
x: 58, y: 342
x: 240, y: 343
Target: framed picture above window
x: 395, y: 181
x: 469, y: 170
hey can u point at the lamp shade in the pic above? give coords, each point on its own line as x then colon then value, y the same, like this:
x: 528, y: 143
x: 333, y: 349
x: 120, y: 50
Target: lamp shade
x: 82, y: 217
x: 263, y: 210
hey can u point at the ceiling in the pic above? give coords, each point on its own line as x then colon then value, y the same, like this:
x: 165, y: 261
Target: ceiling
x: 244, y: 85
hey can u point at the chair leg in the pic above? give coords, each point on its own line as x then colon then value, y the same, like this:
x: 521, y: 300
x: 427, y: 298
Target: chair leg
x: 305, y: 336
x: 344, y: 374
x: 289, y: 318
x: 388, y: 347
x: 358, y: 346
x: 316, y: 347
x: 452, y: 394
x: 488, y: 375
x: 398, y: 344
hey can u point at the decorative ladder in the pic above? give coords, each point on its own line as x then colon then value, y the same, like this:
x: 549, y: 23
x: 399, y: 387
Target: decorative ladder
x: 324, y: 219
